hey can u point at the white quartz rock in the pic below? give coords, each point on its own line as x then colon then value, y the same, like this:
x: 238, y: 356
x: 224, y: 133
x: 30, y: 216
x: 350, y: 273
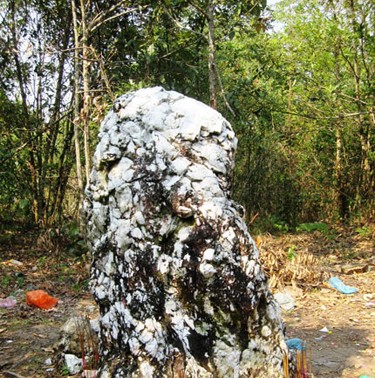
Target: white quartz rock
x: 164, y: 146
x: 213, y: 154
x: 207, y: 270
x: 147, y: 370
x: 155, y: 117
x: 131, y: 105
x: 198, y: 172
x: 197, y: 116
x: 73, y: 363
x: 174, y: 268
x: 120, y: 173
x: 190, y: 122
x: 209, y: 254
x: 180, y: 165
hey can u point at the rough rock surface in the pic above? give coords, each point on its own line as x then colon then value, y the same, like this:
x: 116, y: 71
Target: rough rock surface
x: 175, y: 272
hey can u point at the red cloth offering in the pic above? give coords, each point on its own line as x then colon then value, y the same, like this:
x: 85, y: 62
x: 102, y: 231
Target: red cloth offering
x: 41, y: 299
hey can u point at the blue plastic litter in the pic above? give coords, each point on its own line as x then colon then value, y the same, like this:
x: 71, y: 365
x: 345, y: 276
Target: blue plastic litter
x: 364, y: 376
x: 295, y: 344
x: 337, y: 284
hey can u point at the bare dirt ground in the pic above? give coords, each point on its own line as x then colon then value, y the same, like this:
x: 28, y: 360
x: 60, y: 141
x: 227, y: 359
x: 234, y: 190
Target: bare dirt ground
x: 303, y: 260
x: 348, y: 348
x: 28, y: 334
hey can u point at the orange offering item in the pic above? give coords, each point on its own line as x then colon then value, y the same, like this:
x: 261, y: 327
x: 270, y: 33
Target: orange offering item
x: 40, y: 299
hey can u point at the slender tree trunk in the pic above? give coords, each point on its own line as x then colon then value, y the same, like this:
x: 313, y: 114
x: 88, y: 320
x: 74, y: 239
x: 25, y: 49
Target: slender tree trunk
x: 64, y: 171
x: 86, y: 91
x: 363, y: 127
x: 21, y: 83
x: 54, y: 194
x: 290, y: 98
x: 41, y: 156
x: 212, y: 78
x: 76, y: 116
x: 341, y: 195
x: 372, y: 164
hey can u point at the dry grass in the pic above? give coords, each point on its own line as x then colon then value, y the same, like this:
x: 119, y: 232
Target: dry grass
x: 287, y: 264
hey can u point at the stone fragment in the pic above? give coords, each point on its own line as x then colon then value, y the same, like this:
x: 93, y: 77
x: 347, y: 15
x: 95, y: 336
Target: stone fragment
x: 285, y: 300
x: 73, y: 363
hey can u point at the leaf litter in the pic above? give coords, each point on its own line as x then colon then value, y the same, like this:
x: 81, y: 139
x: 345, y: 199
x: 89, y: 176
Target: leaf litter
x: 348, y: 349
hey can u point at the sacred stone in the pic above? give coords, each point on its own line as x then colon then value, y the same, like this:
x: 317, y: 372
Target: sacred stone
x: 175, y: 272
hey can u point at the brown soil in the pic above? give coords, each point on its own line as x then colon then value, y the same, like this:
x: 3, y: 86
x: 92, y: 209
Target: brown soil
x: 348, y: 349
x: 28, y: 334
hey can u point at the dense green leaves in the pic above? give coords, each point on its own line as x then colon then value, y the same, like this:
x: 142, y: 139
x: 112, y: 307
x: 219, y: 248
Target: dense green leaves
x: 304, y: 105
x: 301, y: 97
x: 330, y: 49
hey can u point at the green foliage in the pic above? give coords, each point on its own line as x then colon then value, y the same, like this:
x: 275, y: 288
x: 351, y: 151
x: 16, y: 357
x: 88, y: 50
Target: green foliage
x: 267, y: 175
x: 302, y: 142
x: 14, y: 186
x: 363, y: 231
x: 42, y: 262
x: 6, y: 280
x: 280, y: 226
x: 20, y: 278
x: 349, y: 254
x: 64, y: 371
x: 81, y: 286
x: 66, y: 238
x: 269, y: 224
x: 72, y: 239
x: 311, y: 227
x: 326, y: 230
x: 321, y: 46
x: 291, y: 252
x: 11, y: 281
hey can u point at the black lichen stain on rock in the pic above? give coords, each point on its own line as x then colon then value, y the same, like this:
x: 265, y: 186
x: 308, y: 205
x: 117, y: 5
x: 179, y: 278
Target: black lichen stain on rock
x: 196, y: 242
x: 200, y: 346
x: 172, y: 336
x: 199, y: 239
x: 150, y: 298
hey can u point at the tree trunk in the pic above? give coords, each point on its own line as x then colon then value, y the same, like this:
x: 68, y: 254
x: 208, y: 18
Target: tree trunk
x: 212, y: 78
x: 341, y: 192
x: 364, y: 185
x: 175, y: 273
x: 76, y: 116
x: 25, y: 110
x: 57, y: 189
x: 86, y: 91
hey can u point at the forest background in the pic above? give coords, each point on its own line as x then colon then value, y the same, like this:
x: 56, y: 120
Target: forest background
x: 296, y: 83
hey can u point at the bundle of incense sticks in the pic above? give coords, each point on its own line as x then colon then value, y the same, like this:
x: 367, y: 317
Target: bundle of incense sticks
x: 304, y: 364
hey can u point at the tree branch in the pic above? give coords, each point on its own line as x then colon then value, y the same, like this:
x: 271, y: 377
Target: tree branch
x: 199, y: 9
x: 40, y: 132
x: 223, y: 92
x: 179, y: 25
x: 104, y: 17
x: 340, y: 116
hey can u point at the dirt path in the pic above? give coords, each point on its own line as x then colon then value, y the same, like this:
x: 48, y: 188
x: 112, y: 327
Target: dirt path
x: 348, y: 348
x: 27, y: 335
